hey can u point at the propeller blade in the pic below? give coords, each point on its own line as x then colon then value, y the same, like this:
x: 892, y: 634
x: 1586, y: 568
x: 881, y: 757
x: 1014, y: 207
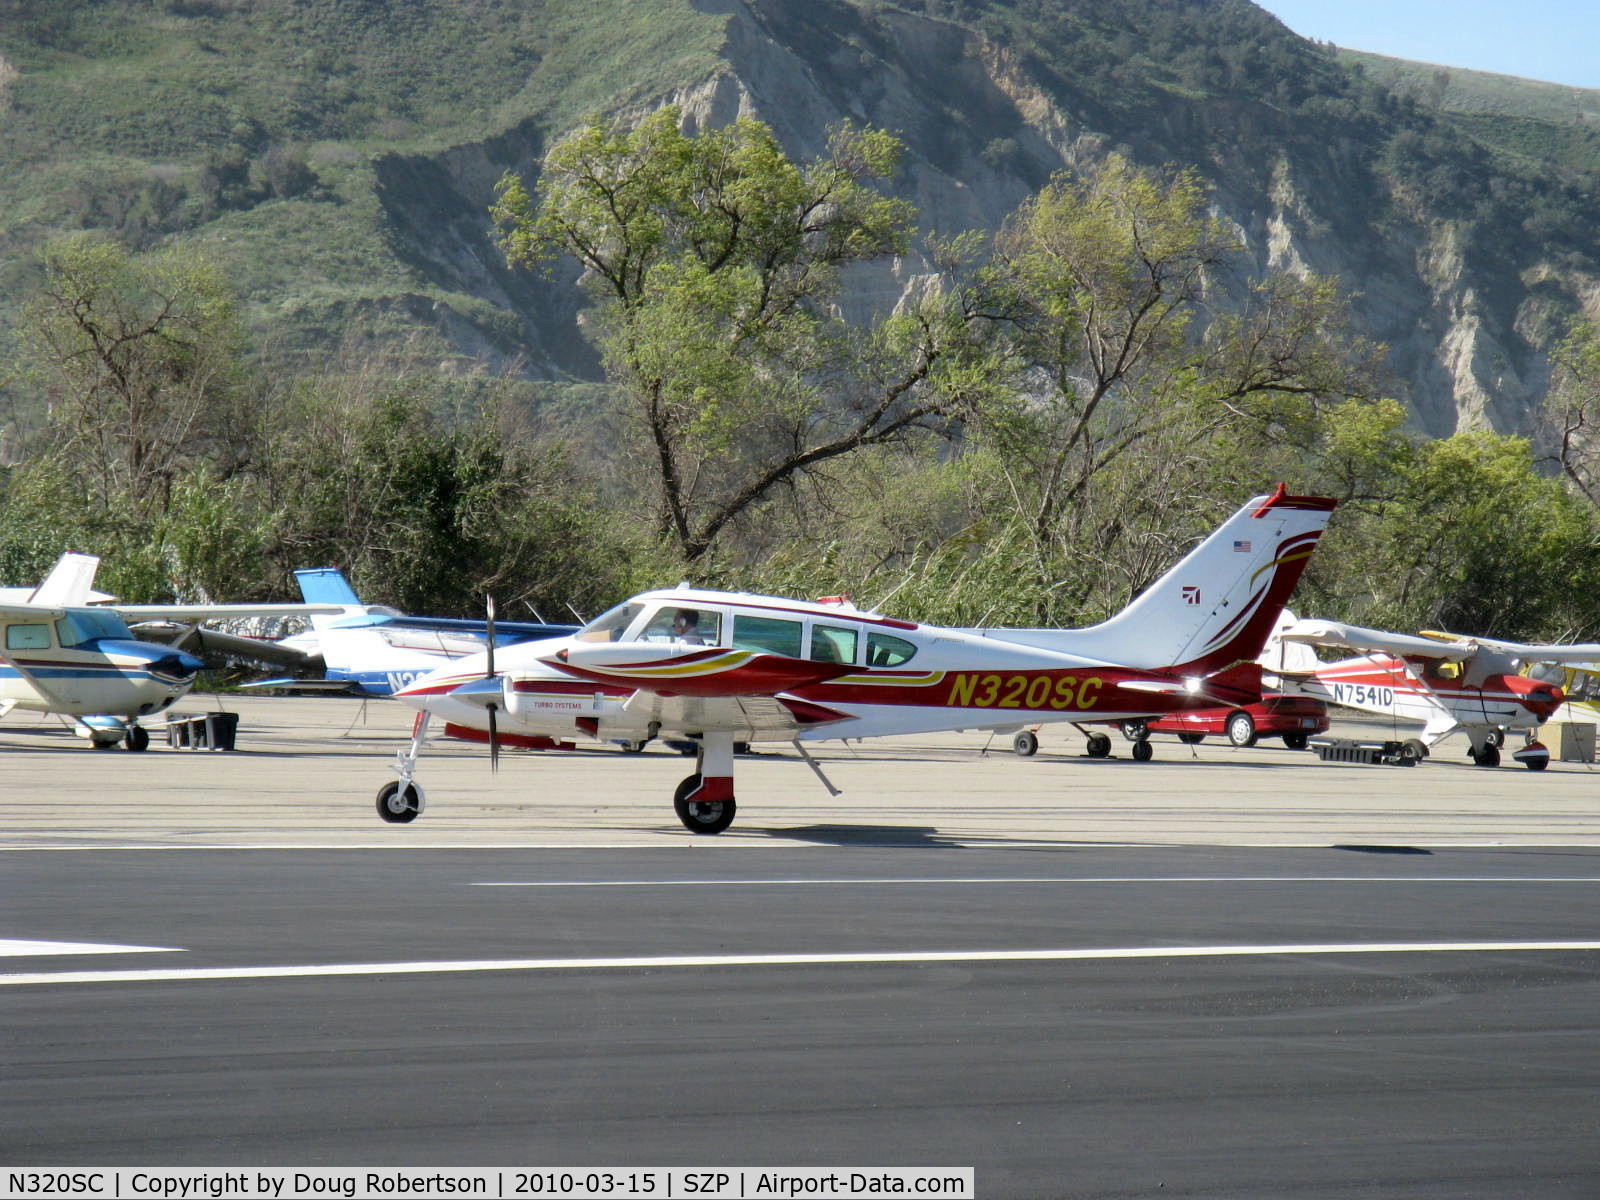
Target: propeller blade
x: 494, y: 728
x: 489, y: 631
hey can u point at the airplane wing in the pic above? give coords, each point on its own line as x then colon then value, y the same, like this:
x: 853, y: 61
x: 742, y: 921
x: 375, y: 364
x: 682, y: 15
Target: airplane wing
x: 755, y: 718
x: 1357, y: 637
x: 208, y: 612
x: 196, y: 639
x: 1531, y: 652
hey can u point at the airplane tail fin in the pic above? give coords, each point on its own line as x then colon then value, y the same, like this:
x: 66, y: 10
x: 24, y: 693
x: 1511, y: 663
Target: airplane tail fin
x: 69, y: 583
x: 325, y: 585
x: 1217, y: 607
x: 1287, y: 658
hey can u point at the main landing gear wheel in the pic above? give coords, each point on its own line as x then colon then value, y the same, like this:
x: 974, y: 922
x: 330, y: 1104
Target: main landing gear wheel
x: 1414, y: 749
x: 702, y: 816
x: 1296, y: 741
x: 1098, y: 746
x: 399, y: 803
x: 1489, y: 756
x: 1141, y: 751
x: 1241, y: 729
x: 137, y: 738
x: 1025, y: 743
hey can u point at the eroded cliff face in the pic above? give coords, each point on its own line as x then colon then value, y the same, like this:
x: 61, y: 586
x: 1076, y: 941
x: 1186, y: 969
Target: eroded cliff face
x: 980, y: 136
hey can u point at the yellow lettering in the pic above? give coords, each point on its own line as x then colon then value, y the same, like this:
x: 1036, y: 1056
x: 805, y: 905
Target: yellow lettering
x: 1085, y: 700
x: 961, y: 689
x: 991, y: 689
x: 1038, y: 691
x: 1015, y: 686
x: 1063, y: 696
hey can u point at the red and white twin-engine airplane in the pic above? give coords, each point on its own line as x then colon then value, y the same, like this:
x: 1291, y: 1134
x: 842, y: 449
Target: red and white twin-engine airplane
x: 1447, y: 681
x: 719, y: 668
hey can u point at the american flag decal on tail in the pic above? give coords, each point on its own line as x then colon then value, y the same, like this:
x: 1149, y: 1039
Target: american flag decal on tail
x: 1241, y: 547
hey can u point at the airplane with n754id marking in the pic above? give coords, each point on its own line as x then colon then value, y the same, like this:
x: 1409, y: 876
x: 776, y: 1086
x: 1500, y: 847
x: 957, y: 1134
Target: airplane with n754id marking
x: 717, y: 668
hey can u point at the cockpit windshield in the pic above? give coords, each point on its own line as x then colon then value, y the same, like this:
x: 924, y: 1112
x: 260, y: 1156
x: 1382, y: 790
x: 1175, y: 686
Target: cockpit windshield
x: 81, y: 625
x: 609, y: 626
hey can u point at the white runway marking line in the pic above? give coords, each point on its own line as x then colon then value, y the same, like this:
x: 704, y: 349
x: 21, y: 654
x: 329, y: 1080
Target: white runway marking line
x: 1030, y: 880
x: 673, y: 962
x: 19, y: 948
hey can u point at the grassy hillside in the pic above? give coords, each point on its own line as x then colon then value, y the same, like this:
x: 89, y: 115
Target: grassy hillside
x: 1539, y: 122
x: 256, y: 126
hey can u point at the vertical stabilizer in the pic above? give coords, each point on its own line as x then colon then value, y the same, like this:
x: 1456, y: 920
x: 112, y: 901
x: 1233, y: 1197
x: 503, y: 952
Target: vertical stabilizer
x: 69, y: 583
x: 1215, y: 608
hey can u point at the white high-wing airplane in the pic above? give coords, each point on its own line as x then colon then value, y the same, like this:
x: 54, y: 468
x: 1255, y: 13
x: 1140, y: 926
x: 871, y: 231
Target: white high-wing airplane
x: 60, y: 653
x: 719, y: 668
x: 370, y: 649
x: 1449, y: 682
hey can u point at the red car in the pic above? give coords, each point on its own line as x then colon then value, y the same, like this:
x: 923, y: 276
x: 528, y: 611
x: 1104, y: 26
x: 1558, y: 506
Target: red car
x: 1294, y: 718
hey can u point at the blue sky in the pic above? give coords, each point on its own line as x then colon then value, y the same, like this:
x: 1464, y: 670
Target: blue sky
x: 1554, y: 40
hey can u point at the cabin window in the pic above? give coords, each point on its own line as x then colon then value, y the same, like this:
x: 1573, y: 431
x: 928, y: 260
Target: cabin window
x: 769, y: 635
x: 886, y: 651
x: 610, y: 625
x: 680, y: 623
x: 833, y: 643
x: 27, y: 637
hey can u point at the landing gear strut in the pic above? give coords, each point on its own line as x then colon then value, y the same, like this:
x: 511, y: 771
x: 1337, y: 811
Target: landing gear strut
x: 400, y: 800
x: 704, y: 801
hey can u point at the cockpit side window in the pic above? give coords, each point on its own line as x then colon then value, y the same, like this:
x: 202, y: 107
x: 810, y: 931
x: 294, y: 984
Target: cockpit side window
x: 679, y: 623
x: 834, y: 643
x: 886, y: 651
x: 768, y: 635
x: 609, y: 626
x: 27, y: 637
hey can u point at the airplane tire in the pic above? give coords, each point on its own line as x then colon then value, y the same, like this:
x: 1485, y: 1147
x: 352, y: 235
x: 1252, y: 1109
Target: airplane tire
x: 1025, y: 743
x: 1537, y: 764
x: 701, y: 816
x: 1489, y: 758
x: 137, y: 738
x: 1098, y: 746
x: 1416, y: 748
x: 1241, y: 729
x: 1191, y: 739
x: 1142, y: 751
x: 395, y: 808
x: 1495, y: 738
x: 1296, y: 741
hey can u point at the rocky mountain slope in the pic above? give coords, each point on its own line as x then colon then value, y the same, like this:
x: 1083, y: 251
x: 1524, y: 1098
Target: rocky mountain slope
x: 1466, y: 256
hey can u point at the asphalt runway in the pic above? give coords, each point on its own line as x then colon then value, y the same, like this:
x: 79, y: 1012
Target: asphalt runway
x: 1224, y: 973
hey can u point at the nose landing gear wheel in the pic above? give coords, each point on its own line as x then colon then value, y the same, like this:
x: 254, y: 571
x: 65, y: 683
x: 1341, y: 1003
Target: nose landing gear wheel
x: 1025, y: 743
x: 137, y: 738
x: 1142, y: 751
x: 399, y: 803
x: 702, y: 816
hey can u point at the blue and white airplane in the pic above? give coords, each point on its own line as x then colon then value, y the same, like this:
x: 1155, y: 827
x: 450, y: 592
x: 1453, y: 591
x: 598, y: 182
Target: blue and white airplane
x: 64, y: 651
x: 373, y: 650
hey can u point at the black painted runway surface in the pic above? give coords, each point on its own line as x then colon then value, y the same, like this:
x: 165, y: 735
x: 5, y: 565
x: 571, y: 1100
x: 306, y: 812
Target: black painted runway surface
x: 1254, y: 1072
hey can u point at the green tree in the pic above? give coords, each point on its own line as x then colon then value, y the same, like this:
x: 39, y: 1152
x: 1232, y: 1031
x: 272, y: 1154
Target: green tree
x: 142, y: 360
x: 1150, y: 395
x: 714, y: 260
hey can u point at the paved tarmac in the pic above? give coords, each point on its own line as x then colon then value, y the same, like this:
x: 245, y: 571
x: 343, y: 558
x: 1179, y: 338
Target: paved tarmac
x: 1225, y: 973
x: 306, y: 772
